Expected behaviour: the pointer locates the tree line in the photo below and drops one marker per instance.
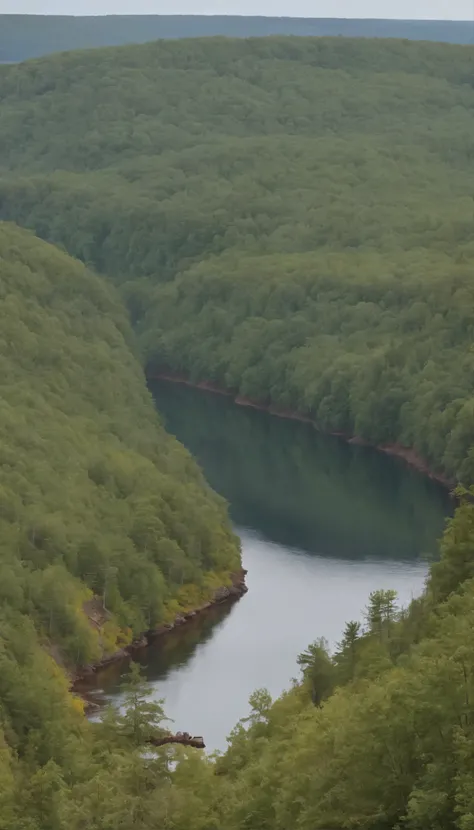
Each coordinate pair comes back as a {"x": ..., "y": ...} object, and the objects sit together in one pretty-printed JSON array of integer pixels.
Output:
[
  {"x": 289, "y": 218},
  {"x": 23, "y": 37}
]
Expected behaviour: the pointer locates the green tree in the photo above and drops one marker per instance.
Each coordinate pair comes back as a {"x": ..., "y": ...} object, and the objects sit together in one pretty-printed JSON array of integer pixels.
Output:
[
  {"x": 142, "y": 717},
  {"x": 346, "y": 654},
  {"x": 318, "y": 670},
  {"x": 381, "y": 613}
]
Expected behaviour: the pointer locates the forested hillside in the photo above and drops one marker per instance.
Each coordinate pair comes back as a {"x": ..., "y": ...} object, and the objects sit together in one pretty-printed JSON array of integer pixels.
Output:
[
  {"x": 291, "y": 219},
  {"x": 29, "y": 36},
  {"x": 288, "y": 218},
  {"x": 380, "y": 734},
  {"x": 95, "y": 501},
  {"x": 96, "y": 498}
]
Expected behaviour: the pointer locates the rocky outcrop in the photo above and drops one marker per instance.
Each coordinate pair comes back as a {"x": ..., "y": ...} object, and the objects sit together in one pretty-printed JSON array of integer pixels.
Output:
[
  {"x": 236, "y": 590},
  {"x": 230, "y": 593}
]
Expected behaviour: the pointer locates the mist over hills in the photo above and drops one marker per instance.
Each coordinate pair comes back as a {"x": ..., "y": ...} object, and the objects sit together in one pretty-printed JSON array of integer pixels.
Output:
[{"x": 29, "y": 36}]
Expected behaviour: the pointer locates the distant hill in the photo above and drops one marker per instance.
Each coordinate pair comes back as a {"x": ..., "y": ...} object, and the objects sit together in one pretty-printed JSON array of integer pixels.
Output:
[
  {"x": 289, "y": 218},
  {"x": 30, "y": 36}
]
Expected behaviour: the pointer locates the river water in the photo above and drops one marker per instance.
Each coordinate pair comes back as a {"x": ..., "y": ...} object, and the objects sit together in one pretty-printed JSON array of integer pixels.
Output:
[{"x": 322, "y": 524}]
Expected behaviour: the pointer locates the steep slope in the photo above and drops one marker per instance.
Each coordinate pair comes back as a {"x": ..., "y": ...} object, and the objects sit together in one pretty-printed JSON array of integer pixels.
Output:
[
  {"x": 380, "y": 734},
  {"x": 256, "y": 278},
  {"x": 96, "y": 498},
  {"x": 289, "y": 218}
]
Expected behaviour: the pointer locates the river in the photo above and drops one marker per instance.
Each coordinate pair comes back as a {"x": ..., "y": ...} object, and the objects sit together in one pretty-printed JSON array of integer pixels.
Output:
[{"x": 322, "y": 524}]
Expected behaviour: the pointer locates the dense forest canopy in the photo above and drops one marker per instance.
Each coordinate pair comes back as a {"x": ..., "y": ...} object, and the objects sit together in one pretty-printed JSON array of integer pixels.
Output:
[
  {"x": 290, "y": 218},
  {"x": 96, "y": 499},
  {"x": 29, "y": 36},
  {"x": 106, "y": 528}
]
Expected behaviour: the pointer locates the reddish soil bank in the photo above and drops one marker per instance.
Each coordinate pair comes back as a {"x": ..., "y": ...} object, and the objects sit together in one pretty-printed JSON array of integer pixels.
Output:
[
  {"x": 202, "y": 384},
  {"x": 410, "y": 456},
  {"x": 224, "y": 594},
  {"x": 414, "y": 460}
]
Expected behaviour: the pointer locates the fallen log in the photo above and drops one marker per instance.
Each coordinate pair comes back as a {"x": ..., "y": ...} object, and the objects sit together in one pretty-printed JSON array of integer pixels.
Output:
[{"x": 182, "y": 738}]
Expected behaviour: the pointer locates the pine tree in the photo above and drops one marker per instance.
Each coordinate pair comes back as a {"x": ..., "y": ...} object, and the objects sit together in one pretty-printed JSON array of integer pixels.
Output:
[
  {"x": 142, "y": 716},
  {"x": 318, "y": 670},
  {"x": 381, "y": 613},
  {"x": 346, "y": 655}
]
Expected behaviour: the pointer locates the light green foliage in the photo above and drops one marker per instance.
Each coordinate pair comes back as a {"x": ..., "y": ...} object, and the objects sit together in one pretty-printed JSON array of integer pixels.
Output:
[
  {"x": 94, "y": 500},
  {"x": 392, "y": 747},
  {"x": 456, "y": 563},
  {"x": 142, "y": 717},
  {"x": 91, "y": 487},
  {"x": 381, "y": 613},
  {"x": 260, "y": 702},
  {"x": 288, "y": 218}
]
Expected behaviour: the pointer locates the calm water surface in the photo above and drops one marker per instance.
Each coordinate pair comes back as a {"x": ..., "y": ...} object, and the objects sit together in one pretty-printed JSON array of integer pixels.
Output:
[{"x": 322, "y": 524}]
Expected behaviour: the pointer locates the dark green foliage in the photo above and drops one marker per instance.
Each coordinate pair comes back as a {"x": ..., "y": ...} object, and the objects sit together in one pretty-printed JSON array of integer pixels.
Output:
[
  {"x": 318, "y": 671},
  {"x": 141, "y": 718},
  {"x": 391, "y": 747},
  {"x": 288, "y": 218},
  {"x": 346, "y": 657},
  {"x": 456, "y": 564}
]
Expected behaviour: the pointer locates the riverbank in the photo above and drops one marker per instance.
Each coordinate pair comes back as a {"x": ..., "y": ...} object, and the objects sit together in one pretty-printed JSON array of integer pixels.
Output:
[
  {"x": 406, "y": 454},
  {"x": 224, "y": 594}
]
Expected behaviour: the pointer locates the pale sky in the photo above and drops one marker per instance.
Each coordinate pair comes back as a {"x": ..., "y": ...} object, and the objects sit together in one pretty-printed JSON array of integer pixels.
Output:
[{"x": 414, "y": 9}]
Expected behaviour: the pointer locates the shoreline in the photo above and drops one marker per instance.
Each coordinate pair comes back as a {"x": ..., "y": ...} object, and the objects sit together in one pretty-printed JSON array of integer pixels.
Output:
[
  {"x": 223, "y": 595},
  {"x": 406, "y": 454}
]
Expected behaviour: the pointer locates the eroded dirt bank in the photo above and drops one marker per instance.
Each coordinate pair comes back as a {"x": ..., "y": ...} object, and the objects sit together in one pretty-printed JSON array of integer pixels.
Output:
[{"x": 224, "y": 594}]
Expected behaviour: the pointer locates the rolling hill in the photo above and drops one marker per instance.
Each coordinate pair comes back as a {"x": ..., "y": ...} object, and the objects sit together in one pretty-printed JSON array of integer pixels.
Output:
[
  {"x": 289, "y": 218},
  {"x": 30, "y": 36}
]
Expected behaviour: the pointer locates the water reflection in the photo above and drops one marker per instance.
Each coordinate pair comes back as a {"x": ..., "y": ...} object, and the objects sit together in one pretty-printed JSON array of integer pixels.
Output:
[
  {"x": 303, "y": 489},
  {"x": 322, "y": 524}
]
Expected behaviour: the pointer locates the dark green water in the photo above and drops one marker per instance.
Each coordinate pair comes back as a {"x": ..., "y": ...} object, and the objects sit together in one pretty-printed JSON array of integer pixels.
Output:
[
  {"x": 322, "y": 524},
  {"x": 303, "y": 489}
]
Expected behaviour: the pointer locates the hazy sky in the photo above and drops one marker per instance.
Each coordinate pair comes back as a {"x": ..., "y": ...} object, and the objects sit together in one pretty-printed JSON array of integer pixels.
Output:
[{"x": 427, "y": 9}]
